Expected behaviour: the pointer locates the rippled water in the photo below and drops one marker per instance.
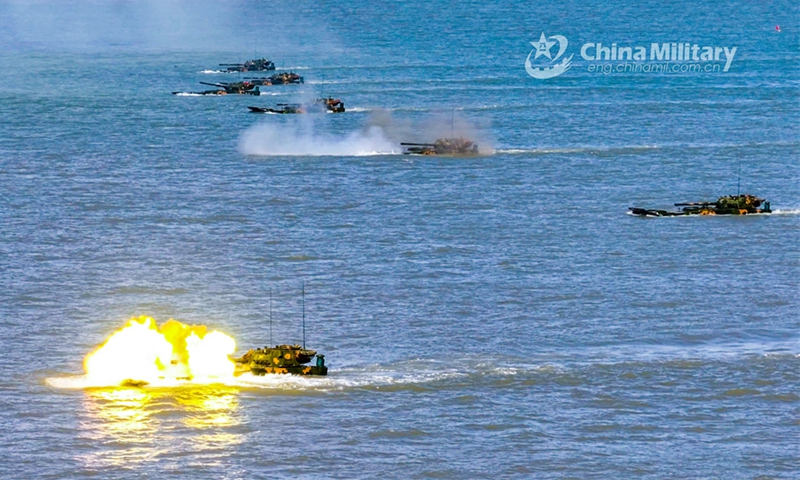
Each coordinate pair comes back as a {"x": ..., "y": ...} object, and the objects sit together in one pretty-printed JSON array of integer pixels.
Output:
[{"x": 500, "y": 315}]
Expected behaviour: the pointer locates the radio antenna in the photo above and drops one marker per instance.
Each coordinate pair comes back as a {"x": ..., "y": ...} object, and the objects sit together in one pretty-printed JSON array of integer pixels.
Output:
[
  {"x": 304, "y": 313},
  {"x": 270, "y": 316},
  {"x": 739, "y": 178}
]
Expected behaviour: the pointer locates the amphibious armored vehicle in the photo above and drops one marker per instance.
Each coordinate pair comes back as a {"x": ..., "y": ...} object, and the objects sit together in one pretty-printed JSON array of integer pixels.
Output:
[
  {"x": 225, "y": 88},
  {"x": 256, "y": 65},
  {"x": 284, "y": 108},
  {"x": 332, "y": 105},
  {"x": 281, "y": 359},
  {"x": 282, "y": 78},
  {"x": 727, "y": 205},
  {"x": 249, "y": 86},
  {"x": 320, "y": 105},
  {"x": 442, "y": 146}
]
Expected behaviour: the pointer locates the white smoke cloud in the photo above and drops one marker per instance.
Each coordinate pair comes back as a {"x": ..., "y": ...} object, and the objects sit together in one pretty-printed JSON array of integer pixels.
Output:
[{"x": 302, "y": 139}]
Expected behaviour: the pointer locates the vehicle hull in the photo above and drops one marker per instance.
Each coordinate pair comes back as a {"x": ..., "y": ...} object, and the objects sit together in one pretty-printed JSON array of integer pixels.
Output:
[{"x": 286, "y": 370}]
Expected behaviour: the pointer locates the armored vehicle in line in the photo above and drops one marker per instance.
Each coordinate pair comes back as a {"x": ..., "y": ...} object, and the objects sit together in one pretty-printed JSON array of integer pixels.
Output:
[
  {"x": 281, "y": 78},
  {"x": 284, "y": 108},
  {"x": 320, "y": 105},
  {"x": 255, "y": 65},
  {"x": 332, "y": 105},
  {"x": 442, "y": 146},
  {"x": 280, "y": 359},
  {"x": 226, "y": 88},
  {"x": 249, "y": 86},
  {"x": 727, "y": 205}
]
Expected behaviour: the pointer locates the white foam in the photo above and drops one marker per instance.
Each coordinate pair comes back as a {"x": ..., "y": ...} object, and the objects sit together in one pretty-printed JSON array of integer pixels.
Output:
[
  {"x": 412, "y": 372},
  {"x": 513, "y": 150},
  {"x": 789, "y": 211},
  {"x": 337, "y": 380}
]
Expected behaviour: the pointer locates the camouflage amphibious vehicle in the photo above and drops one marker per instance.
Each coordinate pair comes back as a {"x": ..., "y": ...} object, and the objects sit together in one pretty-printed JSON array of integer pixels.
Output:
[
  {"x": 227, "y": 88},
  {"x": 256, "y": 65},
  {"x": 281, "y": 359},
  {"x": 249, "y": 86},
  {"x": 442, "y": 146},
  {"x": 728, "y": 205},
  {"x": 320, "y": 105},
  {"x": 282, "y": 78}
]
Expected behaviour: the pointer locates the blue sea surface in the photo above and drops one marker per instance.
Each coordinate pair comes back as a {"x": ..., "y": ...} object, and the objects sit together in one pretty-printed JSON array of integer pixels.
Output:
[{"x": 500, "y": 315}]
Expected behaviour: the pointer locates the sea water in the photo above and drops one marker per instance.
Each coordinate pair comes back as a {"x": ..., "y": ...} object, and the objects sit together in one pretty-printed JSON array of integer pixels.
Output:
[{"x": 492, "y": 316}]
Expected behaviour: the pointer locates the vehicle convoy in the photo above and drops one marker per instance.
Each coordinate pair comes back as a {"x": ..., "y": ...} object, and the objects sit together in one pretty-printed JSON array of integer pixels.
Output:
[
  {"x": 442, "y": 146},
  {"x": 256, "y": 65},
  {"x": 320, "y": 105},
  {"x": 727, "y": 205},
  {"x": 280, "y": 359}
]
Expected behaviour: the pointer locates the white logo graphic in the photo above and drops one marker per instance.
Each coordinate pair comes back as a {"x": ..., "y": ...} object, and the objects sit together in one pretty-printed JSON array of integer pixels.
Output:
[{"x": 542, "y": 49}]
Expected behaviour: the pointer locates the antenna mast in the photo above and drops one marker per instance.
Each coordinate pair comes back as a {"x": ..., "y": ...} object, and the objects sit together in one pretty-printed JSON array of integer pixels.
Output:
[
  {"x": 270, "y": 316},
  {"x": 304, "y": 314},
  {"x": 739, "y": 178}
]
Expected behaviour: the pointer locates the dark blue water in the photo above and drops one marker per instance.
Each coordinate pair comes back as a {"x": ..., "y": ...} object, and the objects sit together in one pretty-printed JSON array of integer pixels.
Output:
[{"x": 498, "y": 315}]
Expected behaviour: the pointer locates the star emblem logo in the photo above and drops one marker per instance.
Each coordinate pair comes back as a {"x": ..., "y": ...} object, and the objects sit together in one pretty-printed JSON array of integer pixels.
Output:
[{"x": 543, "y": 47}]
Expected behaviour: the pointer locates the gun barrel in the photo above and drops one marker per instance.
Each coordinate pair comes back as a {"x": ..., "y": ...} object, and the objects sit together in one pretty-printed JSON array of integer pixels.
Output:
[
  {"x": 419, "y": 144},
  {"x": 231, "y": 64},
  {"x": 220, "y": 85},
  {"x": 694, "y": 204}
]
